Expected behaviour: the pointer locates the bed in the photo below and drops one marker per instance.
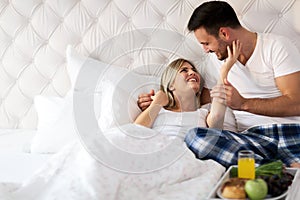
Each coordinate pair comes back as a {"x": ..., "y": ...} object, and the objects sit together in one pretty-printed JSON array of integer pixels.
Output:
[{"x": 44, "y": 44}]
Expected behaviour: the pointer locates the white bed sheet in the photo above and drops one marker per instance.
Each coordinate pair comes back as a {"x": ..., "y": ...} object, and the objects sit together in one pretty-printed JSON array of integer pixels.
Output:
[
  {"x": 17, "y": 163},
  {"x": 73, "y": 173}
]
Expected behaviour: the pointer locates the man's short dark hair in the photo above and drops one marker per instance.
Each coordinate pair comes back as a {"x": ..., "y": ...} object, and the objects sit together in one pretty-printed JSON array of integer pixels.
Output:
[{"x": 212, "y": 15}]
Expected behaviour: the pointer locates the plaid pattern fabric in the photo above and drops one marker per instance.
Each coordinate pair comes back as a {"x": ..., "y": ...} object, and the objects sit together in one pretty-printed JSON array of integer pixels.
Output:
[{"x": 269, "y": 142}]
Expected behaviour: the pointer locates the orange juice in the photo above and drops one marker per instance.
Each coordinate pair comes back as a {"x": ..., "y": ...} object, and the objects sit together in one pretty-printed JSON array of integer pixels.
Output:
[{"x": 246, "y": 168}]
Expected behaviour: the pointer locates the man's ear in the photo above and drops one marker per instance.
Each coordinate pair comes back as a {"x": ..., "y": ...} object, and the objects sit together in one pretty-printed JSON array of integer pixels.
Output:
[{"x": 224, "y": 33}]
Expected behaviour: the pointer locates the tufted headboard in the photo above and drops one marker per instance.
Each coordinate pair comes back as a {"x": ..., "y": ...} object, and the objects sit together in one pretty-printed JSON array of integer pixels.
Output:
[{"x": 34, "y": 35}]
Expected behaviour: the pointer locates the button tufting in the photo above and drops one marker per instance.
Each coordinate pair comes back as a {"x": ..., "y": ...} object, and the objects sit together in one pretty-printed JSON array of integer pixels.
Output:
[{"x": 46, "y": 21}]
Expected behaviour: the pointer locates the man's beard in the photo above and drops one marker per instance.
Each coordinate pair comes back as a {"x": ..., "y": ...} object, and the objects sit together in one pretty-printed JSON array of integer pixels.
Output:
[{"x": 222, "y": 50}]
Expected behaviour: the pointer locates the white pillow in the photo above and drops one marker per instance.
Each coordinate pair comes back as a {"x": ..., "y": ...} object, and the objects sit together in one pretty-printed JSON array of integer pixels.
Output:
[
  {"x": 119, "y": 97},
  {"x": 56, "y": 127},
  {"x": 117, "y": 90},
  {"x": 48, "y": 109},
  {"x": 115, "y": 103}
]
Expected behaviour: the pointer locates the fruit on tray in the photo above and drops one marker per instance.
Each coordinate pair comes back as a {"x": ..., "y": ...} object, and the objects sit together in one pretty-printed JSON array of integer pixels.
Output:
[
  {"x": 278, "y": 185},
  {"x": 256, "y": 189}
]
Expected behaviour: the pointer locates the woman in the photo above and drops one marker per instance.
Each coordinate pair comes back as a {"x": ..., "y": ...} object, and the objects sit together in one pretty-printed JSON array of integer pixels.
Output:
[
  {"x": 176, "y": 106},
  {"x": 179, "y": 93},
  {"x": 180, "y": 90}
]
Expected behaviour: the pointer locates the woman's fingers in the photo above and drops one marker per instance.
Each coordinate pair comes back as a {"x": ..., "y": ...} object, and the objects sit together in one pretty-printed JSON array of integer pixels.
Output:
[
  {"x": 234, "y": 47},
  {"x": 229, "y": 51}
]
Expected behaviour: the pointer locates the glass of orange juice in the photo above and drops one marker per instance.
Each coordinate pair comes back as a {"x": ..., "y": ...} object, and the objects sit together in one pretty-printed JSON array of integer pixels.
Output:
[{"x": 246, "y": 164}]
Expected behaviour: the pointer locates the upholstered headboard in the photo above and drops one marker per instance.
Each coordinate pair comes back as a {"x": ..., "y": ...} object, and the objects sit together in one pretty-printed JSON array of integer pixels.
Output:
[{"x": 34, "y": 35}]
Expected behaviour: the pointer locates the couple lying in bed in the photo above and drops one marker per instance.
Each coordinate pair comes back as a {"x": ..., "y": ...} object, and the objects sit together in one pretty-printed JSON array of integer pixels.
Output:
[
  {"x": 75, "y": 174},
  {"x": 180, "y": 91}
]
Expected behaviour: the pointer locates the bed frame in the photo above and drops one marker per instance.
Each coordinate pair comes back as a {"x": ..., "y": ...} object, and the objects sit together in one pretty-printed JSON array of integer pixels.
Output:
[{"x": 34, "y": 35}]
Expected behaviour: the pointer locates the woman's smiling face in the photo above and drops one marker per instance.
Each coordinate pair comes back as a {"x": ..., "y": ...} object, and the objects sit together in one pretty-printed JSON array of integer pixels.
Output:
[{"x": 187, "y": 78}]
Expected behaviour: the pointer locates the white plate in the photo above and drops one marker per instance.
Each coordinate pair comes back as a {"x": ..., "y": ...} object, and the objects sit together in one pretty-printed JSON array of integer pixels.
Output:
[{"x": 219, "y": 193}]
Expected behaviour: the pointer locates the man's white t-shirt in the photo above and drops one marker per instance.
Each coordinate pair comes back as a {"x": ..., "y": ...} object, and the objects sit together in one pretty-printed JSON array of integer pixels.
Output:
[{"x": 273, "y": 56}]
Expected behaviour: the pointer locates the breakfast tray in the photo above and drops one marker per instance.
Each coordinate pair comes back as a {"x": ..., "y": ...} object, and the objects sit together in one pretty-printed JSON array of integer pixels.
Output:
[{"x": 214, "y": 193}]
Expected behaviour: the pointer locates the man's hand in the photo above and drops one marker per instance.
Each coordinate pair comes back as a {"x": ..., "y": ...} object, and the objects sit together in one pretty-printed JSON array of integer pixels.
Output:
[
  {"x": 233, "y": 98},
  {"x": 218, "y": 93},
  {"x": 144, "y": 100},
  {"x": 227, "y": 95}
]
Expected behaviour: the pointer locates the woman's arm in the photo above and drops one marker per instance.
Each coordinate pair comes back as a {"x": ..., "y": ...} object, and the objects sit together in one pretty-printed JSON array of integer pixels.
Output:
[
  {"x": 215, "y": 118},
  {"x": 148, "y": 116}
]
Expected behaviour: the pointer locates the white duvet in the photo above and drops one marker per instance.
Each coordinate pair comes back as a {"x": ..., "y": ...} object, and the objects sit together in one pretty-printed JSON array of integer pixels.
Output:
[{"x": 76, "y": 174}]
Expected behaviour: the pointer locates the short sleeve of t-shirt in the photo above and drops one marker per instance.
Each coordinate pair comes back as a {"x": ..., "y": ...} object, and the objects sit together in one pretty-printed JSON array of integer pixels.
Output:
[{"x": 283, "y": 54}]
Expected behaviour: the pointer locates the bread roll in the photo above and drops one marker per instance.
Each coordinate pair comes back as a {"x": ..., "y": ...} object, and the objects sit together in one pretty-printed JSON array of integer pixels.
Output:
[{"x": 234, "y": 188}]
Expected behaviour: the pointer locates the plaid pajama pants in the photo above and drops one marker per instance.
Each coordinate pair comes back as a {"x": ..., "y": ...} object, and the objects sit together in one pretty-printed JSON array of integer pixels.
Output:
[{"x": 269, "y": 142}]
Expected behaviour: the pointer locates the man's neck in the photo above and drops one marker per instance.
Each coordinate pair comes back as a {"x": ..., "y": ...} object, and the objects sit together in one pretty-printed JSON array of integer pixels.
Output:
[{"x": 248, "y": 40}]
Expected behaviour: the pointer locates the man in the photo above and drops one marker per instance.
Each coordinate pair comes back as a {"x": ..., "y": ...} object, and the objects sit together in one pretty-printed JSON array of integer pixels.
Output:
[
  {"x": 264, "y": 81},
  {"x": 266, "y": 78}
]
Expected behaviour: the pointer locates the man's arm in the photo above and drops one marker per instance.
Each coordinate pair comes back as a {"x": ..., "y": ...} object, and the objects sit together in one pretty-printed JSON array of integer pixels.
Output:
[
  {"x": 286, "y": 105},
  {"x": 145, "y": 99}
]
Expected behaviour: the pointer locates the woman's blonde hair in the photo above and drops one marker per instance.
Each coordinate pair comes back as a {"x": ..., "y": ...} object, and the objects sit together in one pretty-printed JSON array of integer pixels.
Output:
[{"x": 168, "y": 78}]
